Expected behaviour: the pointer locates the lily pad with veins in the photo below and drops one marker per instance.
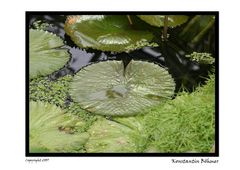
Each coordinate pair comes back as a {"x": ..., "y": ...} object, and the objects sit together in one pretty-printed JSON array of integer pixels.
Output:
[
  {"x": 53, "y": 131},
  {"x": 106, "y": 88},
  {"x": 46, "y": 54},
  {"x": 107, "y": 33},
  {"x": 158, "y": 20}
]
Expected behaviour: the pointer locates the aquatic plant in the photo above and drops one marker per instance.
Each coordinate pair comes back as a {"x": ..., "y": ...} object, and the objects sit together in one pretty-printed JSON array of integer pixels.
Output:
[
  {"x": 202, "y": 58},
  {"x": 53, "y": 131},
  {"x": 40, "y": 25},
  {"x": 42, "y": 89},
  {"x": 113, "y": 106},
  {"x": 158, "y": 20},
  {"x": 46, "y": 90},
  {"x": 185, "y": 124},
  {"x": 45, "y": 53},
  {"x": 197, "y": 28},
  {"x": 107, "y": 33},
  {"x": 107, "y": 88},
  {"x": 108, "y": 136}
]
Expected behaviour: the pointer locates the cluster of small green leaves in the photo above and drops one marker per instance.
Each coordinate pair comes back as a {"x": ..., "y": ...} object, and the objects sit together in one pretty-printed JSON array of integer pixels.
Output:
[
  {"x": 140, "y": 44},
  {"x": 202, "y": 58},
  {"x": 57, "y": 93},
  {"x": 89, "y": 118},
  {"x": 185, "y": 124},
  {"x": 40, "y": 25},
  {"x": 54, "y": 92}
]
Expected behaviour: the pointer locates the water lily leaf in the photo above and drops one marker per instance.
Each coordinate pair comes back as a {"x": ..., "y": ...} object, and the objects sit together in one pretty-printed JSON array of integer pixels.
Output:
[
  {"x": 104, "y": 88},
  {"x": 53, "y": 131},
  {"x": 106, "y": 33},
  {"x": 158, "y": 20},
  {"x": 46, "y": 56},
  {"x": 109, "y": 136}
]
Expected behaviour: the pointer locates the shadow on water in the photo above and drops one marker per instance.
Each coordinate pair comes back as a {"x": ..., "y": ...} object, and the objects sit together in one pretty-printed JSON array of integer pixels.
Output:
[{"x": 171, "y": 55}]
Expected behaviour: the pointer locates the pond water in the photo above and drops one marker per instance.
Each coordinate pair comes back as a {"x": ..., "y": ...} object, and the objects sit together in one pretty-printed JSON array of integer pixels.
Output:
[{"x": 185, "y": 72}]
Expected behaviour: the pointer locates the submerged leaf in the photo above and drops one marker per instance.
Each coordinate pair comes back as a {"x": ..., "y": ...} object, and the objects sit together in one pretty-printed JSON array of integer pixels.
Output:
[
  {"x": 110, "y": 136},
  {"x": 53, "y": 131},
  {"x": 104, "y": 88},
  {"x": 158, "y": 20},
  {"x": 45, "y": 55},
  {"x": 106, "y": 33}
]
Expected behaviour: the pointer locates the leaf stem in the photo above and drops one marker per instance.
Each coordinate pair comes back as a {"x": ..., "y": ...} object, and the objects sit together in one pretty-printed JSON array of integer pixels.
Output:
[
  {"x": 165, "y": 28},
  {"x": 129, "y": 19}
]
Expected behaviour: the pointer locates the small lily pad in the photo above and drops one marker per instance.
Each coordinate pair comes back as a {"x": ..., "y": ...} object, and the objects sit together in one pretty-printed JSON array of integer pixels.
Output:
[
  {"x": 158, "y": 20},
  {"x": 53, "y": 131},
  {"x": 107, "y": 33},
  {"x": 45, "y": 56},
  {"x": 104, "y": 88}
]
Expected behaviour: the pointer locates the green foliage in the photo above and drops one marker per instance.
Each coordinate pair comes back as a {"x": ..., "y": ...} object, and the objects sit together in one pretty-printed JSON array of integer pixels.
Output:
[
  {"x": 197, "y": 28},
  {"x": 57, "y": 93},
  {"x": 54, "y": 92},
  {"x": 110, "y": 136},
  {"x": 107, "y": 33},
  {"x": 185, "y": 124},
  {"x": 158, "y": 20},
  {"x": 40, "y": 25},
  {"x": 106, "y": 88},
  {"x": 53, "y": 131},
  {"x": 202, "y": 58},
  {"x": 45, "y": 53},
  {"x": 57, "y": 124}
]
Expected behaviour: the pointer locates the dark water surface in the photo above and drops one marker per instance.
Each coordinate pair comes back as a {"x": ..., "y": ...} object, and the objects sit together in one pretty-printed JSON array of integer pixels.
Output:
[{"x": 170, "y": 54}]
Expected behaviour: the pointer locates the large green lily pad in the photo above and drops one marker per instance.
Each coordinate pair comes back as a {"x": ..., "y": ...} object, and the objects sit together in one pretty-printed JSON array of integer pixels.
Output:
[
  {"x": 113, "y": 137},
  {"x": 105, "y": 89},
  {"x": 158, "y": 20},
  {"x": 53, "y": 131},
  {"x": 45, "y": 56},
  {"x": 107, "y": 33}
]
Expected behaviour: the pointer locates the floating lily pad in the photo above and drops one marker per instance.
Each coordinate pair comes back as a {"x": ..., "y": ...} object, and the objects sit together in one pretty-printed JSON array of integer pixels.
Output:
[
  {"x": 105, "y": 89},
  {"x": 109, "y": 136},
  {"x": 46, "y": 56},
  {"x": 158, "y": 20},
  {"x": 107, "y": 33},
  {"x": 53, "y": 131}
]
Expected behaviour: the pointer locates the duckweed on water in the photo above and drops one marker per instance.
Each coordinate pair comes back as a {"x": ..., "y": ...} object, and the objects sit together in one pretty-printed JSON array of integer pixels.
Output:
[
  {"x": 56, "y": 92},
  {"x": 202, "y": 58}
]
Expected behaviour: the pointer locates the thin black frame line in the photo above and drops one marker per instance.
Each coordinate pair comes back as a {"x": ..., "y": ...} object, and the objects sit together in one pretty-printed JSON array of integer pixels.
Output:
[
  {"x": 217, "y": 84},
  {"x": 216, "y": 154},
  {"x": 122, "y": 12},
  {"x": 27, "y": 85}
]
